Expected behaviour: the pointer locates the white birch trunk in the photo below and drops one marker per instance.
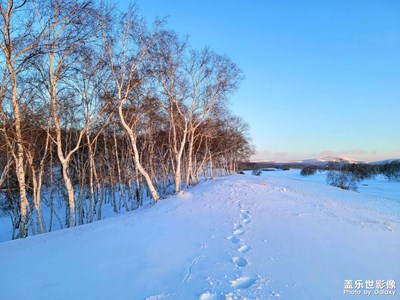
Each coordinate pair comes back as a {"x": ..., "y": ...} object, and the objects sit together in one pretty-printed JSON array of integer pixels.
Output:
[{"x": 139, "y": 166}]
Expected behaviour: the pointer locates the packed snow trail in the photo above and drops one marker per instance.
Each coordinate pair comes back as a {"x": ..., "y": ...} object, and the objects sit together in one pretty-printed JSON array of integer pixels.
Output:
[{"x": 239, "y": 237}]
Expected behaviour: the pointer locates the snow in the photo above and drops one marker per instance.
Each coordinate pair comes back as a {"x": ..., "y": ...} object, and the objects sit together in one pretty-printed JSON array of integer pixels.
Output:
[
  {"x": 277, "y": 236},
  {"x": 377, "y": 186}
]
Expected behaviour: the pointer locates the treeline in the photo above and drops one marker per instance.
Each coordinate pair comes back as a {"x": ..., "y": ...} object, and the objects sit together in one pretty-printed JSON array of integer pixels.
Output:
[
  {"x": 348, "y": 175},
  {"x": 98, "y": 106}
]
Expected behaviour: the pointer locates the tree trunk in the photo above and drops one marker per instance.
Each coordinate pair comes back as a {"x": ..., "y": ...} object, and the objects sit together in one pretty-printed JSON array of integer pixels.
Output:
[
  {"x": 142, "y": 171},
  {"x": 189, "y": 172},
  {"x": 70, "y": 193},
  {"x": 19, "y": 159},
  {"x": 139, "y": 166}
]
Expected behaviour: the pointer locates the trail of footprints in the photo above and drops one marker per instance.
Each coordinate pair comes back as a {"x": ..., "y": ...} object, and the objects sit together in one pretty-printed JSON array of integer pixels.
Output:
[{"x": 239, "y": 260}]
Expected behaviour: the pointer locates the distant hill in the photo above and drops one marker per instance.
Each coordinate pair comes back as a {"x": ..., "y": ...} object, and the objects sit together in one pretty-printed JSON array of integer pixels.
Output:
[
  {"x": 301, "y": 163},
  {"x": 319, "y": 162},
  {"x": 325, "y": 160}
]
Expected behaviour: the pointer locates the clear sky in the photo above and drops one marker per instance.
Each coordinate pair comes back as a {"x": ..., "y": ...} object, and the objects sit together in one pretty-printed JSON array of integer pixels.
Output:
[{"x": 322, "y": 78}]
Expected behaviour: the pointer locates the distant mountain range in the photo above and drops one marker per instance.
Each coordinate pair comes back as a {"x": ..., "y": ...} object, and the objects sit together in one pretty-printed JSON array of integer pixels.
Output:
[
  {"x": 326, "y": 160},
  {"x": 321, "y": 161}
]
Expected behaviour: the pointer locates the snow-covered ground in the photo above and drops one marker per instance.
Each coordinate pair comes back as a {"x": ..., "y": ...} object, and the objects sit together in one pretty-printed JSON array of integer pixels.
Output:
[
  {"x": 377, "y": 186},
  {"x": 278, "y": 236}
]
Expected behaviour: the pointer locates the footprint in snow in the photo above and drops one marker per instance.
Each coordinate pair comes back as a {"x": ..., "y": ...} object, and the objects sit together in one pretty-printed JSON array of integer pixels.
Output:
[
  {"x": 233, "y": 239},
  {"x": 244, "y": 249},
  {"x": 239, "y": 261},
  {"x": 246, "y": 221},
  {"x": 244, "y": 216},
  {"x": 238, "y": 232},
  {"x": 208, "y": 296},
  {"x": 238, "y": 226},
  {"x": 243, "y": 282}
]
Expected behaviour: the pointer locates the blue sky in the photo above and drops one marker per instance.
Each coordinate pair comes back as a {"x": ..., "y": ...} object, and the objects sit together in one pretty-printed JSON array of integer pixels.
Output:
[{"x": 322, "y": 78}]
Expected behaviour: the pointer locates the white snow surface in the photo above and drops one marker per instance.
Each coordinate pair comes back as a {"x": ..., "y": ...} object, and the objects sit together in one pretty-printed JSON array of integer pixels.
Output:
[{"x": 238, "y": 237}]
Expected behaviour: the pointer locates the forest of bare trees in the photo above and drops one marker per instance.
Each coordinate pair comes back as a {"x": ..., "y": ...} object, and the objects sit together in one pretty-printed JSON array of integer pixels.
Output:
[{"x": 100, "y": 107}]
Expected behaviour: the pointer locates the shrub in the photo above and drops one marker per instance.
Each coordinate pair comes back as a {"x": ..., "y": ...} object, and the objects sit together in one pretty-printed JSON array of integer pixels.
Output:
[
  {"x": 256, "y": 172},
  {"x": 360, "y": 171},
  {"x": 347, "y": 176},
  {"x": 391, "y": 170},
  {"x": 309, "y": 170},
  {"x": 342, "y": 179}
]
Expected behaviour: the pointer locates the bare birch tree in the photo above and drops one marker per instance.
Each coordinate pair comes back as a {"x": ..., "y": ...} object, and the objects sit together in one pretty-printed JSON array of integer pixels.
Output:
[
  {"x": 168, "y": 58},
  {"x": 18, "y": 45},
  {"x": 127, "y": 47},
  {"x": 72, "y": 24},
  {"x": 212, "y": 78}
]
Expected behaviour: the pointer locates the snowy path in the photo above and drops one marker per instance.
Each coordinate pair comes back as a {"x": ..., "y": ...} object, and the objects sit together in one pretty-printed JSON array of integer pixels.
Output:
[{"x": 240, "y": 237}]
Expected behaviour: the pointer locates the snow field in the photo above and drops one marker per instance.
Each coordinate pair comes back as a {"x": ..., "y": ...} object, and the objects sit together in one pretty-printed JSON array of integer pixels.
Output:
[{"x": 239, "y": 237}]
